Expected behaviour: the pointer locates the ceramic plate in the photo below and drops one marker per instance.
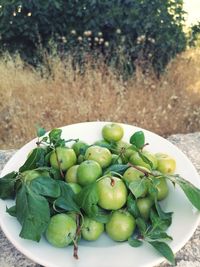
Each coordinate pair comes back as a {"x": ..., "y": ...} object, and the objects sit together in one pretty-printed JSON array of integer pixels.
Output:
[{"x": 104, "y": 252}]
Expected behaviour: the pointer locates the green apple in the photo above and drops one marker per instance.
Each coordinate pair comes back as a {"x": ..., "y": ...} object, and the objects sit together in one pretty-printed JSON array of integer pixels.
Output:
[
  {"x": 91, "y": 229},
  {"x": 88, "y": 171},
  {"x": 71, "y": 174},
  {"x": 61, "y": 230},
  {"x": 166, "y": 164},
  {"x": 136, "y": 159},
  {"x": 132, "y": 174},
  {"x": 112, "y": 132},
  {"x": 162, "y": 188},
  {"x": 100, "y": 154},
  {"x": 112, "y": 193},
  {"x": 121, "y": 225},
  {"x": 63, "y": 158},
  {"x": 144, "y": 205}
]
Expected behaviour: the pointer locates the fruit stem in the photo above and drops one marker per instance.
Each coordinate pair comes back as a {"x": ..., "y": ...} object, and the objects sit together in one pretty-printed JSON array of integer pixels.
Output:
[
  {"x": 144, "y": 145},
  {"x": 72, "y": 140},
  {"x": 112, "y": 181},
  {"x": 146, "y": 173},
  {"x": 61, "y": 172},
  {"x": 78, "y": 232},
  {"x": 75, "y": 251}
]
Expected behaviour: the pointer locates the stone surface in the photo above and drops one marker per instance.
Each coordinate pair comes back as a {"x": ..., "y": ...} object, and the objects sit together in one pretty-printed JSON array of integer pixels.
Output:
[{"x": 188, "y": 256}]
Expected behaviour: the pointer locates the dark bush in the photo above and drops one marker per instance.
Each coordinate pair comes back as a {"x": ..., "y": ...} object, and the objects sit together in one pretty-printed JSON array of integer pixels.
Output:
[
  {"x": 124, "y": 31},
  {"x": 194, "y": 34}
]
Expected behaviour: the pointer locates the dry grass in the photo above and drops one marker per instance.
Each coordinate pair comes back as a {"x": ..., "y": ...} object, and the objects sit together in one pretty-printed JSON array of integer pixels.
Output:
[{"x": 166, "y": 106}]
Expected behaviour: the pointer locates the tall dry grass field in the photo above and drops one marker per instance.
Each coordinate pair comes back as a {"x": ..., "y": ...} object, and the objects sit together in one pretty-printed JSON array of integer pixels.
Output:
[{"x": 165, "y": 106}]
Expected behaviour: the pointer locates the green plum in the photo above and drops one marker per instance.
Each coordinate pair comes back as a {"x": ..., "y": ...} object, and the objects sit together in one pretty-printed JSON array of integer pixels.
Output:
[
  {"x": 136, "y": 159},
  {"x": 121, "y": 225},
  {"x": 88, "y": 171},
  {"x": 144, "y": 205},
  {"x": 166, "y": 164},
  {"x": 71, "y": 174},
  {"x": 61, "y": 230},
  {"x": 100, "y": 154},
  {"x": 91, "y": 229},
  {"x": 112, "y": 193},
  {"x": 112, "y": 132},
  {"x": 63, "y": 158}
]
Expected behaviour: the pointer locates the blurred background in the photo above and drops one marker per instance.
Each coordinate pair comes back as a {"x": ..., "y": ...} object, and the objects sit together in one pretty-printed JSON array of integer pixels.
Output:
[{"x": 130, "y": 61}]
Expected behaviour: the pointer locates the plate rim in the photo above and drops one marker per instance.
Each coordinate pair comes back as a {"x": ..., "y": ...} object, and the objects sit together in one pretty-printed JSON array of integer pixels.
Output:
[{"x": 157, "y": 261}]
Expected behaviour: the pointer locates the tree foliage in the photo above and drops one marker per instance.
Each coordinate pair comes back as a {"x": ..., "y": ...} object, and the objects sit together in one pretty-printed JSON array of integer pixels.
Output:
[{"x": 125, "y": 31}]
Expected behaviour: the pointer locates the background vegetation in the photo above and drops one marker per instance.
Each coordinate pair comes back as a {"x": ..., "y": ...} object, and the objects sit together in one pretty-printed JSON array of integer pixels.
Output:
[
  {"x": 63, "y": 62},
  {"x": 124, "y": 31}
]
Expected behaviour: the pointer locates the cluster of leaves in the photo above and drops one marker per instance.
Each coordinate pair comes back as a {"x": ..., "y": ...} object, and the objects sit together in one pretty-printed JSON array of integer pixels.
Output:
[
  {"x": 153, "y": 231},
  {"x": 39, "y": 199},
  {"x": 194, "y": 35},
  {"x": 144, "y": 31}
]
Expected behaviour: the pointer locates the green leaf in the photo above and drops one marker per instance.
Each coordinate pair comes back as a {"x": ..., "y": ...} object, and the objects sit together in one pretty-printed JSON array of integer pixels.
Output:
[
  {"x": 138, "y": 187},
  {"x": 119, "y": 168},
  {"x": 32, "y": 212},
  {"x": 159, "y": 236},
  {"x": 36, "y": 159},
  {"x": 7, "y": 185},
  {"x": 40, "y": 131},
  {"x": 87, "y": 199},
  {"x": 163, "y": 215},
  {"x": 102, "y": 216},
  {"x": 132, "y": 206},
  {"x": 55, "y": 137},
  {"x": 164, "y": 250},
  {"x": 159, "y": 224},
  {"x": 55, "y": 174},
  {"x": 12, "y": 211},
  {"x": 134, "y": 242},
  {"x": 142, "y": 226},
  {"x": 192, "y": 192},
  {"x": 138, "y": 139},
  {"x": 66, "y": 201},
  {"x": 45, "y": 186}
]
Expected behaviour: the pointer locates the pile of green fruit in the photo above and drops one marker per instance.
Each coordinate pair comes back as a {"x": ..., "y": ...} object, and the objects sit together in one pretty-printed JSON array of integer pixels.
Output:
[{"x": 80, "y": 191}]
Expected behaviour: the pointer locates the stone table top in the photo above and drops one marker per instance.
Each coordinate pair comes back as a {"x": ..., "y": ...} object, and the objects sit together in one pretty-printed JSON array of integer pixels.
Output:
[{"x": 188, "y": 256}]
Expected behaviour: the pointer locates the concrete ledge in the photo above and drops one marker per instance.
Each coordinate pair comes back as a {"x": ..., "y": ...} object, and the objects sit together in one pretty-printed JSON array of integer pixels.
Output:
[{"x": 188, "y": 256}]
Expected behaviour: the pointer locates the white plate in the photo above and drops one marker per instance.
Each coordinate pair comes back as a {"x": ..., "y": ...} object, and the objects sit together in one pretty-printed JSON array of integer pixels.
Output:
[{"x": 104, "y": 252}]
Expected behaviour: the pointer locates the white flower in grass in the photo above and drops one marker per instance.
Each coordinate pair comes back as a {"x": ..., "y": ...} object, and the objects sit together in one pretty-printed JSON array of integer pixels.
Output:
[
  {"x": 80, "y": 39},
  {"x": 101, "y": 40},
  {"x": 87, "y": 33},
  {"x": 73, "y": 32},
  {"x": 19, "y": 9},
  {"x": 106, "y": 44}
]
